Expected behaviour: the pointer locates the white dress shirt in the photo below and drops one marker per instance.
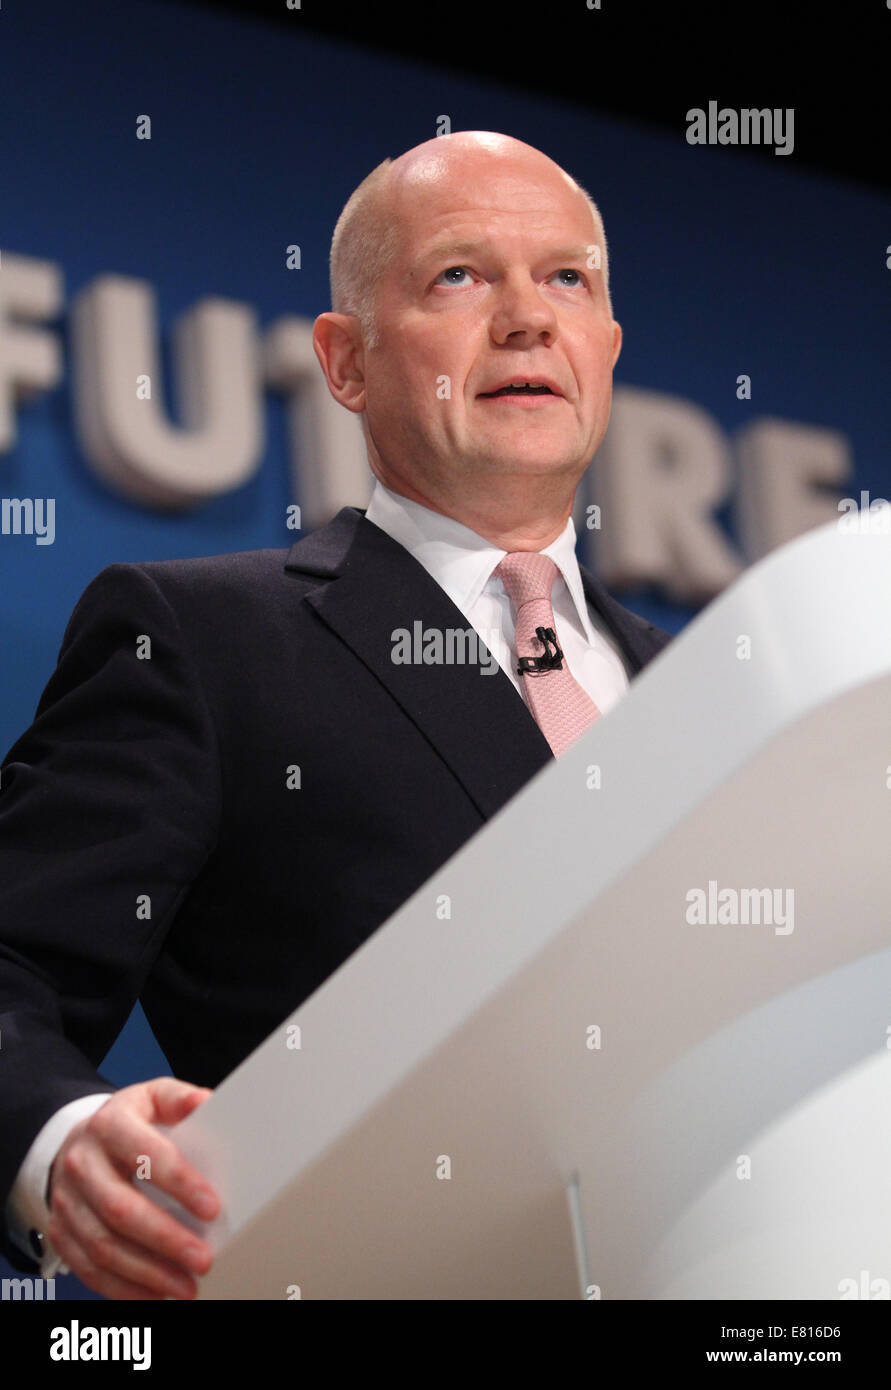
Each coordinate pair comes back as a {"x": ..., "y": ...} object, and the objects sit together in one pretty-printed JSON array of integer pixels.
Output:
[{"x": 461, "y": 562}]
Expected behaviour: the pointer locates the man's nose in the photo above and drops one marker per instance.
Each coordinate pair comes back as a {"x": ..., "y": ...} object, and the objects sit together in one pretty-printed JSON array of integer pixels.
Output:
[{"x": 521, "y": 309}]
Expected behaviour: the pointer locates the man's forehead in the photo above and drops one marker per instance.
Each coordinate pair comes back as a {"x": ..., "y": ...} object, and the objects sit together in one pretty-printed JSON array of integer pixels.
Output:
[
  {"x": 465, "y": 229},
  {"x": 503, "y": 206}
]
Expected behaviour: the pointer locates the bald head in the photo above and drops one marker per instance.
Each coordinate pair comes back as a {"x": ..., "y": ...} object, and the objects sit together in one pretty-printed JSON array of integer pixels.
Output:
[{"x": 371, "y": 229}]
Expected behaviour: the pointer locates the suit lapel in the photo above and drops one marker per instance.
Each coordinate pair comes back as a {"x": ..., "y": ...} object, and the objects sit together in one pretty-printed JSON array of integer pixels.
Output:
[{"x": 479, "y": 724}]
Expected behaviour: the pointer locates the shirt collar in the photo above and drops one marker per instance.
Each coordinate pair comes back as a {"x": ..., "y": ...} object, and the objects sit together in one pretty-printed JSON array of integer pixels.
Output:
[{"x": 458, "y": 559}]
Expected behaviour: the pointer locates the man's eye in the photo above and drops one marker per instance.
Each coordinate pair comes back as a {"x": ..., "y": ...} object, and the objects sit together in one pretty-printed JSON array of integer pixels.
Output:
[
  {"x": 462, "y": 270},
  {"x": 568, "y": 270}
]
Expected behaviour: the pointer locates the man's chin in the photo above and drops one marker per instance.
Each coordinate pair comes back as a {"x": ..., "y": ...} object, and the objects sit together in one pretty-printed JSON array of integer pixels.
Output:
[{"x": 525, "y": 458}]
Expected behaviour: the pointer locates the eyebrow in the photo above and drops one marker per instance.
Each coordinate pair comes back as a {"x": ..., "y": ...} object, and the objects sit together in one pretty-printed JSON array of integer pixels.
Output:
[{"x": 444, "y": 249}]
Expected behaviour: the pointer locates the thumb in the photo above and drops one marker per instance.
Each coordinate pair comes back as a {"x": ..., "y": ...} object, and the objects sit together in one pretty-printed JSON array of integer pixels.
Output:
[{"x": 173, "y": 1100}]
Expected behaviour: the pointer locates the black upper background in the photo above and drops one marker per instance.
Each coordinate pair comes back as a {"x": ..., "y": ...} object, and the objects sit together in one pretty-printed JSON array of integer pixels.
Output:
[{"x": 649, "y": 62}]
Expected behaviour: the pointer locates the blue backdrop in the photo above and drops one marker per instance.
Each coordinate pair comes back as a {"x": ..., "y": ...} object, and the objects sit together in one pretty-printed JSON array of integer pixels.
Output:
[{"x": 719, "y": 264}]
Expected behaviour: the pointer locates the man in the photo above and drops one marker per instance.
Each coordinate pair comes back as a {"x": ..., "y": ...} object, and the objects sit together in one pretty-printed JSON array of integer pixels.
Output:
[{"x": 215, "y": 828}]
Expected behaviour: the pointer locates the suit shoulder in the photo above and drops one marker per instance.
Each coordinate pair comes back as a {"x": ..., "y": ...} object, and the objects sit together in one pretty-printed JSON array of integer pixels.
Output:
[
  {"x": 237, "y": 567},
  {"x": 242, "y": 575},
  {"x": 191, "y": 595}
]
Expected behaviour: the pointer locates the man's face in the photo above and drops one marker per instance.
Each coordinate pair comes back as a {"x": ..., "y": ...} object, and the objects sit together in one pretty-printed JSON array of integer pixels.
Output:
[{"x": 491, "y": 285}]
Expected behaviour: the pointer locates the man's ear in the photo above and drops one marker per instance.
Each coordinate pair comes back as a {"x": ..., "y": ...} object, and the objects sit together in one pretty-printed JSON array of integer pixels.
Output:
[
  {"x": 337, "y": 340},
  {"x": 617, "y": 342}
]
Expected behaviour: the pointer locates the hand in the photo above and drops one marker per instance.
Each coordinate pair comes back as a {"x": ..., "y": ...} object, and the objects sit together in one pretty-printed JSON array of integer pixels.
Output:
[{"x": 112, "y": 1236}]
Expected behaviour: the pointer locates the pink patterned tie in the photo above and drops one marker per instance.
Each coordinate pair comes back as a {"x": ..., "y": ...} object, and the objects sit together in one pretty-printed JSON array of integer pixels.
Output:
[{"x": 559, "y": 705}]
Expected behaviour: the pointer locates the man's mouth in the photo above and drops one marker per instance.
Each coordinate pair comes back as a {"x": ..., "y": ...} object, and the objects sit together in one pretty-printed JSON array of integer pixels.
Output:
[
  {"x": 519, "y": 391},
  {"x": 519, "y": 388}
]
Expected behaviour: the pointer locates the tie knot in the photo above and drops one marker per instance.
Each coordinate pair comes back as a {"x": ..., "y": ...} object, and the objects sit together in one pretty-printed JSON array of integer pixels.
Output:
[{"x": 527, "y": 575}]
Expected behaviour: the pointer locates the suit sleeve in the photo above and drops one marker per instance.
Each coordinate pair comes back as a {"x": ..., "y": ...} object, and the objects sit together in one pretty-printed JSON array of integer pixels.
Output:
[{"x": 109, "y": 808}]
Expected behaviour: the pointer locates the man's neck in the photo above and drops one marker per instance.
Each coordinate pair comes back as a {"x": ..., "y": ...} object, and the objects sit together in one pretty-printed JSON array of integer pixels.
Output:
[{"x": 510, "y": 523}]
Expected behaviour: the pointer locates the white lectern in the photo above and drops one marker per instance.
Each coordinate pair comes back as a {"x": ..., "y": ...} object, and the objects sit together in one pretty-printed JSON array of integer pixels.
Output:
[{"x": 632, "y": 1041}]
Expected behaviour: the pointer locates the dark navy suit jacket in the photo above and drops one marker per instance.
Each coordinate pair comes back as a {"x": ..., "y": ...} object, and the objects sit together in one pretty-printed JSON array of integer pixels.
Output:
[{"x": 150, "y": 844}]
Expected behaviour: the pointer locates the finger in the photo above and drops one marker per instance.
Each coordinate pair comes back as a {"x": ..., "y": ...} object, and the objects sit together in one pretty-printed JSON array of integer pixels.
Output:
[
  {"x": 130, "y": 1141},
  {"x": 106, "y": 1253},
  {"x": 173, "y": 1100},
  {"x": 100, "y": 1280},
  {"x": 91, "y": 1177}
]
